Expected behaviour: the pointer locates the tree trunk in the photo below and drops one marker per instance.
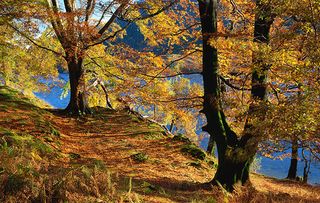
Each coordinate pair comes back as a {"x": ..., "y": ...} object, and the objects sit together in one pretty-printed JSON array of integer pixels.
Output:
[
  {"x": 210, "y": 68},
  {"x": 234, "y": 155},
  {"x": 306, "y": 169},
  {"x": 232, "y": 165},
  {"x": 77, "y": 104},
  {"x": 292, "y": 173}
]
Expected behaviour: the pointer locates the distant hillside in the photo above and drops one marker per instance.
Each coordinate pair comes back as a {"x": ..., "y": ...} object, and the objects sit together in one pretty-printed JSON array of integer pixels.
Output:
[
  {"x": 111, "y": 156},
  {"x": 135, "y": 39}
]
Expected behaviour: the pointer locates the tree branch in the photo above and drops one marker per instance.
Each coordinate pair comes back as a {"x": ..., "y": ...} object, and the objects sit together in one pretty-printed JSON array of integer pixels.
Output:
[
  {"x": 68, "y": 6},
  {"x": 233, "y": 86},
  {"x": 180, "y": 99},
  {"x": 113, "y": 17},
  {"x": 171, "y": 76},
  {"x": 33, "y": 42},
  {"x": 108, "y": 37},
  {"x": 56, "y": 22},
  {"x": 97, "y": 64},
  {"x": 89, "y": 9},
  {"x": 104, "y": 13},
  {"x": 152, "y": 14},
  {"x": 172, "y": 62}
]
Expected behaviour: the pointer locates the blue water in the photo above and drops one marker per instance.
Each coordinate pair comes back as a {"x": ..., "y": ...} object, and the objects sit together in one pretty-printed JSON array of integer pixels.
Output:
[
  {"x": 279, "y": 168},
  {"x": 271, "y": 167},
  {"x": 53, "y": 97}
]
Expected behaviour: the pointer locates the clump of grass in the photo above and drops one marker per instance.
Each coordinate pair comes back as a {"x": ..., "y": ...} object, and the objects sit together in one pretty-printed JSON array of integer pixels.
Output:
[
  {"x": 55, "y": 132},
  {"x": 73, "y": 155},
  {"x": 195, "y": 164},
  {"x": 134, "y": 118},
  {"x": 3, "y": 107},
  {"x": 205, "y": 200},
  {"x": 181, "y": 137},
  {"x": 150, "y": 188},
  {"x": 99, "y": 164},
  {"x": 193, "y": 151},
  {"x": 139, "y": 157},
  {"x": 153, "y": 136}
]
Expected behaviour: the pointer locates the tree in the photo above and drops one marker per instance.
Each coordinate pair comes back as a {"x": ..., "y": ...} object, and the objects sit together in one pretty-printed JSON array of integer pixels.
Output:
[
  {"x": 234, "y": 154},
  {"x": 79, "y": 25}
]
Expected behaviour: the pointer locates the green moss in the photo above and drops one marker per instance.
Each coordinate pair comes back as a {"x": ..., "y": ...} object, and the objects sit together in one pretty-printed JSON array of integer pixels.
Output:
[
  {"x": 154, "y": 126},
  {"x": 3, "y": 107},
  {"x": 150, "y": 188},
  {"x": 86, "y": 171},
  {"x": 207, "y": 200},
  {"x": 193, "y": 151},
  {"x": 41, "y": 146},
  {"x": 195, "y": 164},
  {"x": 139, "y": 157},
  {"x": 134, "y": 118},
  {"x": 74, "y": 155},
  {"x": 153, "y": 136},
  {"x": 7, "y": 93},
  {"x": 99, "y": 164},
  {"x": 6, "y": 132},
  {"x": 55, "y": 132},
  {"x": 182, "y": 138}
]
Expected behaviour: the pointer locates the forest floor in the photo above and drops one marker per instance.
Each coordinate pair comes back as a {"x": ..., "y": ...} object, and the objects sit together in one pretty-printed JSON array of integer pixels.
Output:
[{"x": 112, "y": 156}]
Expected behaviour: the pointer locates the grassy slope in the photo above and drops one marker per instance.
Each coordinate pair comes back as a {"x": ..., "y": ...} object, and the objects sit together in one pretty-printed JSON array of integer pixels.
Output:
[{"x": 112, "y": 156}]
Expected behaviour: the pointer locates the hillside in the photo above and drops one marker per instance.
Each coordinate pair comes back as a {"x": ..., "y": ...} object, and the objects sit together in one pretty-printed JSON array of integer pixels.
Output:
[{"x": 111, "y": 156}]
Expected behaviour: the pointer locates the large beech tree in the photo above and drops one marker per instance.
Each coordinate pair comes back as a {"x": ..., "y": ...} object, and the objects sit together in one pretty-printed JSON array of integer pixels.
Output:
[
  {"x": 80, "y": 25},
  {"x": 235, "y": 152}
]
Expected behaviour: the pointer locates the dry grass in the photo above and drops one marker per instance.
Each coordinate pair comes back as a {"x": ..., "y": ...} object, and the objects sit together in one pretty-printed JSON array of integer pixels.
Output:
[{"x": 48, "y": 157}]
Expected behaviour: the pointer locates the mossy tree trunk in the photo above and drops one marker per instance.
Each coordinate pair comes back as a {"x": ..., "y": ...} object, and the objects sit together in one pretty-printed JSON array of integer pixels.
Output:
[
  {"x": 234, "y": 154},
  {"x": 77, "y": 104}
]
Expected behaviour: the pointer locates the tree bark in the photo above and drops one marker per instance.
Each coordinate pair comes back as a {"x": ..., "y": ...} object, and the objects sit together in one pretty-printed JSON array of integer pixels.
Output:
[
  {"x": 210, "y": 69},
  {"x": 234, "y": 155},
  {"x": 306, "y": 169},
  {"x": 77, "y": 104},
  {"x": 292, "y": 173},
  {"x": 231, "y": 167}
]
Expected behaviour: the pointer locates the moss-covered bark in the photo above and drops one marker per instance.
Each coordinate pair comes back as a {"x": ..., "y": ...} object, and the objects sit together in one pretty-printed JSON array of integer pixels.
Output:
[
  {"x": 234, "y": 154},
  {"x": 77, "y": 104}
]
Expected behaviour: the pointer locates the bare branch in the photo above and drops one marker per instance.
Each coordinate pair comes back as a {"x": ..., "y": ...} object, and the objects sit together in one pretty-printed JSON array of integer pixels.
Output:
[
  {"x": 186, "y": 28},
  {"x": 104, "y": 13},
  {"x": 68, "y": 6},
  {"x": 113, "y": 17},
  {"x": 89, "y": 9},
  {"x": 55, "y": 21}
]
